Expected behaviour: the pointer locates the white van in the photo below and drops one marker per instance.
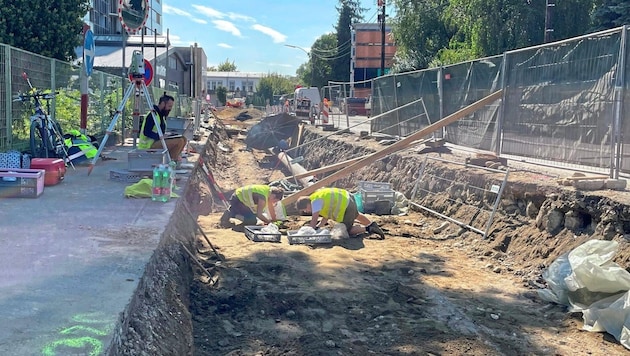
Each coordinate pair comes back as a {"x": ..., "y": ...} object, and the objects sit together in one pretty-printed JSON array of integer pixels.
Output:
[{"x": 311, "y": 93}]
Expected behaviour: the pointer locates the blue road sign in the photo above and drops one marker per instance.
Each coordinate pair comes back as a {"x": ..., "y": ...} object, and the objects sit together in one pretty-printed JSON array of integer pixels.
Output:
[{"x": 88, "y": 52}]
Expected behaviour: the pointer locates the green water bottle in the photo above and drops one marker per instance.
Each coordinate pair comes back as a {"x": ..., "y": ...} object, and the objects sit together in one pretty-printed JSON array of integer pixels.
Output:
[
  {"x": 156, "y": 186},
  {"x": 167, "y": 184}
]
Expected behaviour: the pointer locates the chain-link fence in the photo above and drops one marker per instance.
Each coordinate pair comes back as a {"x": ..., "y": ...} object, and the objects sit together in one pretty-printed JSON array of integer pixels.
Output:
[
  {"x": 563, "y": 102},
  {"x": 105, "y": 92}
]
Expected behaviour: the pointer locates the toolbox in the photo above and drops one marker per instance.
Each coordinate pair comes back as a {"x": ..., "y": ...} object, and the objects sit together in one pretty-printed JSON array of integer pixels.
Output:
[
  {"x": 55, "y": 169},
  {"x": 377, "y": 197},
  {"x": 21, "y": 183},
  {"x": 146, "y": 160}
]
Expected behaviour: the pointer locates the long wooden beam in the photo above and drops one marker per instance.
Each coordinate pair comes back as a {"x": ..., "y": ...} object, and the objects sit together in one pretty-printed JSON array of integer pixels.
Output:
[
  {"x": 339, "y": 165},
  {"x": 394, "y": 147}
]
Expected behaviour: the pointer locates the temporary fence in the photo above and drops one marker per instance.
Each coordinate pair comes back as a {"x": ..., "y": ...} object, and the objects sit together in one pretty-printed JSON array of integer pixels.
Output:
[
  {"x": 105, "y": 92},
  {"x": 562, "y": 102}
]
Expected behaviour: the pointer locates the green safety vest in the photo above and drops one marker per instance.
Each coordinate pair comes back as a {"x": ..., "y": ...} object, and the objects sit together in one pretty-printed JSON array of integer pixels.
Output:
[
  {"x": 335, "y": 202},
  {"x": 246, "y": 194},
  {"x": 144, "y": 142},
  {"x": 82, "y": 142}
]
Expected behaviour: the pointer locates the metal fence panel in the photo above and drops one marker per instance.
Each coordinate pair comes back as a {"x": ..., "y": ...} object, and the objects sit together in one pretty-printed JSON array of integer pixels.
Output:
[
  {"x": 558, "y": 102},
  {"x": 464, "y": 84}
]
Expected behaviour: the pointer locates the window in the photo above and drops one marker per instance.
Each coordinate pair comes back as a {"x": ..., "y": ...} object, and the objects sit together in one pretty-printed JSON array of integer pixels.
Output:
[
  {"x": 248, "y": 86},
  {"x": 214, "y": 84},
  {"x": 231, "y": 85},
  {"x": 172, "y": 63}
]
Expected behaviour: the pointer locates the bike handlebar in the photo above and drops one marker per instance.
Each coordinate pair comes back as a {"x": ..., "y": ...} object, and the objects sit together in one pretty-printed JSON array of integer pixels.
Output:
[{"x": 26, "y": 97}]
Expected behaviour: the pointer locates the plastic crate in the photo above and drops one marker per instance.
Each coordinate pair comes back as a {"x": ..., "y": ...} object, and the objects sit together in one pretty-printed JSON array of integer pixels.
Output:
[
  {"x": 365, "y": 185},
  {"x": 308, "y": 239},
  {"x": 146, "y": 160},
  {"x": 253, "y": 233},
  {"x": 21, "y": 183},
  {"x": 369, "y": 198},
  {"x": 125, "y": 176}
]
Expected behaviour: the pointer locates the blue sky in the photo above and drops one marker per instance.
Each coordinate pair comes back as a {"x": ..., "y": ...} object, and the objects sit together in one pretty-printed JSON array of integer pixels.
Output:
[{"x": 253, "y": 33}]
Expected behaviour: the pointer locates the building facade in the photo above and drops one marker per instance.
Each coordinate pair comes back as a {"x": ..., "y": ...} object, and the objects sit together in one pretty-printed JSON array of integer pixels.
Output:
[
  {"x": 366, "y": 55},
  {"x": 176, "y": 69},
  {"x": 238, "y": 84}
]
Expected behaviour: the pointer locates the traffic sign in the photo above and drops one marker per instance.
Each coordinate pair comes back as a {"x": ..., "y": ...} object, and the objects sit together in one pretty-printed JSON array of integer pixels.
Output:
[
  {"x": 88, "y": 52},
  {"x": 148, "y": 73},
  {"x": 133, "y": 14}
]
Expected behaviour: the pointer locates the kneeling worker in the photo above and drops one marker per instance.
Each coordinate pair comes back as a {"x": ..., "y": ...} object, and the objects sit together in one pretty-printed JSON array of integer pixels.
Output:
[
  {"x": 149, "y": 137},
  {"x": 250, "y": 201},
  {"x": 338, "y": 205}
]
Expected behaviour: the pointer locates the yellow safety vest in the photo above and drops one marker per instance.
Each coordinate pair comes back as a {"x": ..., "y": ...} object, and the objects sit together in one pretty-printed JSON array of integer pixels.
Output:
[
  {"x": 335, "y": 202},
  {"x": 246, "y": 194},
  {"x": 144, "y": 142}
]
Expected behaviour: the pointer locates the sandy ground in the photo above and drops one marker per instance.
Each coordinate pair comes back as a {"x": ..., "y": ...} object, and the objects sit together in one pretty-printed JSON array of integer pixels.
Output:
[{"x": 418, "y": 292}]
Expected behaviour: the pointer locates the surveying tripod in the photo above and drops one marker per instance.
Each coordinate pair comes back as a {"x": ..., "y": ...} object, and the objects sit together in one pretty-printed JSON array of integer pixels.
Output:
[{"x": 139, "y": 87}]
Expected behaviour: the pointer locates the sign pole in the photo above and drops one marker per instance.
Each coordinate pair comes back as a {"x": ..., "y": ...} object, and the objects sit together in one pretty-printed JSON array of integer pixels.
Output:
[{"x": 88, "y": 59}]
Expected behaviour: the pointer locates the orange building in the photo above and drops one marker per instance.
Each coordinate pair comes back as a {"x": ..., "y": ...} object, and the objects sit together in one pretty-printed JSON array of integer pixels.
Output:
[{"x": 365, "y": 61}]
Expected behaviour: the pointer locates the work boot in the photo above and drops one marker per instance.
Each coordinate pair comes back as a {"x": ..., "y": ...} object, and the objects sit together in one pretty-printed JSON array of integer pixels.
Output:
[
  {"x": 373, "y": 228},
  {"x": 225, "y": 219}
]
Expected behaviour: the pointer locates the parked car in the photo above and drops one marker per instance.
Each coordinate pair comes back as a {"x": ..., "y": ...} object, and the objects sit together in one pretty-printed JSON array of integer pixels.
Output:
[{"x": 356, "y": 106}]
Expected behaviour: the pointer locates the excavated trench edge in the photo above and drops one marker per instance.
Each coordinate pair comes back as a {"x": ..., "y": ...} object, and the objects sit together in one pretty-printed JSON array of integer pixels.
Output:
[{"x": 158, "y": 321}]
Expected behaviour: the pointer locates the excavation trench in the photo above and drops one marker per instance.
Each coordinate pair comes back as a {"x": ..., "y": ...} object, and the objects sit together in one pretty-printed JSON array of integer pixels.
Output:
[{"x": 536, "y": 221}]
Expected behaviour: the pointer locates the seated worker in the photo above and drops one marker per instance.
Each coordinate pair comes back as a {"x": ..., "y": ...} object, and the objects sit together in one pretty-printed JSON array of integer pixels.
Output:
[
  {"x": 149, "y": 137},
  {"x": 250, "y": 201},
  {"x": 338, "y": 205}
]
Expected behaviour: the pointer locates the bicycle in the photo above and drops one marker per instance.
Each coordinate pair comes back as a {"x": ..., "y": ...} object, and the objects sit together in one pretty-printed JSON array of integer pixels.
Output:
[{"x": 46, "y": 136}]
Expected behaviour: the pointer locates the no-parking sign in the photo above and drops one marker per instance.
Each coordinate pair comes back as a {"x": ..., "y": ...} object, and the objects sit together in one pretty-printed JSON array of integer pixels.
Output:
[{"x": 148, "y": 73}]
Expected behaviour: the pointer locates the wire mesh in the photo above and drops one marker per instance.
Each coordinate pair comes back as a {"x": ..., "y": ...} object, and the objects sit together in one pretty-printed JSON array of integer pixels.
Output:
[{"x": 472, "y": 198}]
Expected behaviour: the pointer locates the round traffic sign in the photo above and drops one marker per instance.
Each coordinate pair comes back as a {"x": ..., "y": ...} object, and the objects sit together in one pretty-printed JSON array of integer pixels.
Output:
[
  {"x": 88, "y": 52},
  {"x": 133, "y": 14},
  {"x": 148, "y": 73}
]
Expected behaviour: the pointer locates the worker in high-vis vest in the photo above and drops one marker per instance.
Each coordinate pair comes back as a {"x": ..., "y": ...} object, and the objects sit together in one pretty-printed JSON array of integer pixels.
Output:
[
  {"x": 149, "y": 137},
  {"x": 251, "y": 201},
  {"x": 338, "y": 205}
]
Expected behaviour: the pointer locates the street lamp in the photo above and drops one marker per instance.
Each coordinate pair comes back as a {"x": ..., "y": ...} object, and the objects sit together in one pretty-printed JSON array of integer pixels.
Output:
[{"x": 310, "y": 59}]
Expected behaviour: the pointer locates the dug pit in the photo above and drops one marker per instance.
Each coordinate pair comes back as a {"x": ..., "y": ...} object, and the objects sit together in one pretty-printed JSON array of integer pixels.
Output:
[{"x": 429, "y": 288}]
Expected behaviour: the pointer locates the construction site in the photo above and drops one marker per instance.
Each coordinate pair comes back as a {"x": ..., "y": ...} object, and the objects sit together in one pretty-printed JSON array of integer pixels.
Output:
[{"x": 450, "y": 277}]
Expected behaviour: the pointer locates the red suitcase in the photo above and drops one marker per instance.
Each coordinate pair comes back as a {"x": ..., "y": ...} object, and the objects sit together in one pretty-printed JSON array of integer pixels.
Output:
[{"x": 55, "y": 169}]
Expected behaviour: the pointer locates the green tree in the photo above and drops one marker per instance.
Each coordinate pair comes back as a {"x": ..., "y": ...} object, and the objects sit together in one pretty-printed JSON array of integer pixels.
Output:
[
  {"x": 227, "y": 66},
  {"x": 350, "y": 11},
  {"x": 222, "y": 94},
  {"x": 611, "y": 14},
  {"x": 274, "y": 84},
  {"x": 420, "y": 32},
  {"x": 50, "y": 28},
  {"x": 324, "y": 55}
]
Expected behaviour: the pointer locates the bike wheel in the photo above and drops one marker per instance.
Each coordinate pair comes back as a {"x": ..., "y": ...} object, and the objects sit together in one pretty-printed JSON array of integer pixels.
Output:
[{"x": 38, "y": 140}]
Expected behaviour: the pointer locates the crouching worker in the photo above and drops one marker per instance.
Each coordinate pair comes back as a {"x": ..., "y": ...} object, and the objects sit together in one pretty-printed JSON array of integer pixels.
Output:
[
  {"x": 250, "y": 201},
  {"x": 337, "y": 205}
]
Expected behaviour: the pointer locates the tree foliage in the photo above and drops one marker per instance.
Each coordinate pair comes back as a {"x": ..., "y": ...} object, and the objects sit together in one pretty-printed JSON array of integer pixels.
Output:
[
  {"x": 51, "y": 28},
  {"x": 221, "y": 94},
  {"x": 227, "y": 66},
  {"x": 274, "y": 84},
  {"x": 350, "y": 12},
  {"x": 440, "y": 32},
  {"x": 323, "y": 54}
]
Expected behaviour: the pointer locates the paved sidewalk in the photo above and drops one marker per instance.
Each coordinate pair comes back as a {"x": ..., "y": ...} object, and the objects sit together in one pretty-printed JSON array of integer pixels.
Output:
[{"x": 71, "y": 260}]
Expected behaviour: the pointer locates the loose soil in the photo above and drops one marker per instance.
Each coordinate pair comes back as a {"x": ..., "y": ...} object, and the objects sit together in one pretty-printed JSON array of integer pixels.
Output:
[{"x": 418, "y": 292}]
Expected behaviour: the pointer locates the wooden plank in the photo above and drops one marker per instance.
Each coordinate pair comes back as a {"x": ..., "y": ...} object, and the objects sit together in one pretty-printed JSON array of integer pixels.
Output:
[
  {"x": 339, "y": 165},
  {"x": 588, "y": 177},
  {"x": 404, "y": 143}
]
